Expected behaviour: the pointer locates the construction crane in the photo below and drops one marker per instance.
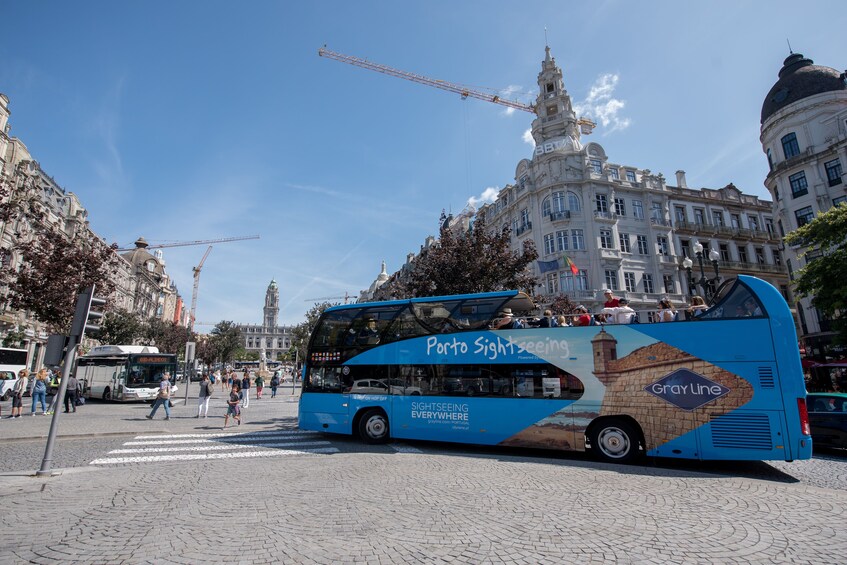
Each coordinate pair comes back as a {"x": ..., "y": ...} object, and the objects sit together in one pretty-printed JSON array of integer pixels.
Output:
[
  {"x": 586, "y": 125},
  {"x": 346, "y": 298},
  {"x": 194, "y": 292},
  {"x": 185, "y": 243}
]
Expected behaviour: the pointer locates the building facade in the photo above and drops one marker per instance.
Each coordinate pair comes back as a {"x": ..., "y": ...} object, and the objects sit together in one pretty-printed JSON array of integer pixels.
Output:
[
  {"x": 600, "y": 224},
  {"x": 141, "y": 282},
  {"x": 270, "y": 340},
  {"x": 804, "y": 137}
]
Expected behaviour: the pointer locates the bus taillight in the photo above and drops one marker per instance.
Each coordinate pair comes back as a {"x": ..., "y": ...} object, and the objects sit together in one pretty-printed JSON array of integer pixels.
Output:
[{"x": 804, "y": 417}]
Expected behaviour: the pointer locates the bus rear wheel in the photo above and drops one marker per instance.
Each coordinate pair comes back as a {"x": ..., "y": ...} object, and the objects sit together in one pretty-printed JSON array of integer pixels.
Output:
[
  {"x": 373, "y": 427},
  {"x": 107, "y": 394},
  {"x": 614, "y": 441}
]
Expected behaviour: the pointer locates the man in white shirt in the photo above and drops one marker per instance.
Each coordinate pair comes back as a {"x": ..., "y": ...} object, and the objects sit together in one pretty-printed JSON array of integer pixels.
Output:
[{"x": 622, "y": 314}]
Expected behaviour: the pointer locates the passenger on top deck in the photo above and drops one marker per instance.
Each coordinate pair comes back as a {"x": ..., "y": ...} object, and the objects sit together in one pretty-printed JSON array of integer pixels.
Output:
[
  {"x": 506, "y": 321},
  {"x": 621, "y": 314}
]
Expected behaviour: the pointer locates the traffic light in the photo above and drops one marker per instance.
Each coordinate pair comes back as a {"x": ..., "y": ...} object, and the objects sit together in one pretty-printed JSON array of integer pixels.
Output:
[{"x": 86, "y": 319}]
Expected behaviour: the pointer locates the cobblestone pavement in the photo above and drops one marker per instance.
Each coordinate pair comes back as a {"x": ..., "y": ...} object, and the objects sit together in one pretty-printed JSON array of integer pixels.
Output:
[{"x": 405, "y": 503}]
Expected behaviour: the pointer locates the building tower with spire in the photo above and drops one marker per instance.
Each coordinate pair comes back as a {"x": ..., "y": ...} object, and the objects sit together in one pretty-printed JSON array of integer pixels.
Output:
[
  {"x": 268, "y": 339},
  {"x": 271, "y": 309}
]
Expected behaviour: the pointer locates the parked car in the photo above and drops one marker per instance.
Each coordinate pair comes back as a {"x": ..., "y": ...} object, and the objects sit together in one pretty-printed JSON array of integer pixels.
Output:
[
  {"x": 8, "y": 380},
  {"x": 368, "y": 386},
  {"x": 828, "y": 418},
  {"x": 372, "y": 386}
]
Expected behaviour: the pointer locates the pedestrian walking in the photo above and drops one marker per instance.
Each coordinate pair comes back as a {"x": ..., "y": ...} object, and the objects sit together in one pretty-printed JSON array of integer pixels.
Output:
[
  {"x": 245, "y": 390},
  {"x": 260, "y": 385},
  {"x": 206, "y": 388},
  {"x": 39, "y": 392},
  {"x": 232, "y": 408},
  {"x": 18, "y": 393},
  {"x": 163, "y": 398},
  {"x": 274, "y": 384},
  {"x": 71, "y": 393}
]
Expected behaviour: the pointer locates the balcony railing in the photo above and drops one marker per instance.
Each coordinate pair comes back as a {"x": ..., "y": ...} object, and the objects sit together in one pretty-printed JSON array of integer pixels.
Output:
[
  {"x": 607, "y": 216},
  {"x": 560, "y": 215},
  {"x": 660, "y": 222},
  {"x": 523, "y": 228},
  {"x": 610, "y": 253}
]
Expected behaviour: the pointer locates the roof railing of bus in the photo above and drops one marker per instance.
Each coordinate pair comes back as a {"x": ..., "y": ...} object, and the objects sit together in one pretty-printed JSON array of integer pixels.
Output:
[{"x": 424, "y": 299}]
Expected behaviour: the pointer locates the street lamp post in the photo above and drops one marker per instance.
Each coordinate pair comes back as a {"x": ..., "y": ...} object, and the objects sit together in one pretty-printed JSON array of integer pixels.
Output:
[{"x": 708, "y": 284}]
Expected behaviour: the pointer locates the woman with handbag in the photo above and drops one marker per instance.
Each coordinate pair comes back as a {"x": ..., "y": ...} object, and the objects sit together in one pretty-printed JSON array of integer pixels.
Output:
[
  {"x": 206, "y": 388},
  {"x": 163, "y": 398}
]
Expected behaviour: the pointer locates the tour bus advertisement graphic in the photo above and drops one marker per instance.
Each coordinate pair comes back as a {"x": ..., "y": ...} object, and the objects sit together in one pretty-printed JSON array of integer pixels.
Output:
[{"x": 649, "y": 372}]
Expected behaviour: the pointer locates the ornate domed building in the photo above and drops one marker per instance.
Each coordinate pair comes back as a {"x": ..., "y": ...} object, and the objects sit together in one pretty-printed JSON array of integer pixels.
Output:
[{"x": 804, "y": 136}]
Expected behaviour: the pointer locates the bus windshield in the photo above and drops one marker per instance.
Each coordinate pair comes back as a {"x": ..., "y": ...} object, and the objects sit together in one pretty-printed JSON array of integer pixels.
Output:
[{"x": 145, "y": 370}]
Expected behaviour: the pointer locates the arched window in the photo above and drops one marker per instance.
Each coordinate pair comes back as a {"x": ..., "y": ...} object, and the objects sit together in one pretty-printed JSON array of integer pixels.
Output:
[
  {"x": 573, "y": 202},
  {"x": 553, "y": 203}
]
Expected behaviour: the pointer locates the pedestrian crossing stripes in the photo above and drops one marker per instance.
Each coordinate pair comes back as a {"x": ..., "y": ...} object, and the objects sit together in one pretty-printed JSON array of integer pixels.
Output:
[{"x": 223, "y": 445}]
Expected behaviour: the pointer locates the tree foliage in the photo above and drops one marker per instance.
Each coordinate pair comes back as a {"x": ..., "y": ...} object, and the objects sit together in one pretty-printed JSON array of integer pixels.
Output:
[
  {"x": 226, "y": 340},
  {"x": 167, "y": 336},
  {"x": 301, "y": 333},
  {"x": 562, "y": 304},
  {"x": 824, "y": 276},
  {"x": 479, "y": 260},
  {"x": 205, "y": 350},
  {"x": 120, "y": 327},
  {"x": 55, "y": 267},
  {"x": 14, "y": 338}
]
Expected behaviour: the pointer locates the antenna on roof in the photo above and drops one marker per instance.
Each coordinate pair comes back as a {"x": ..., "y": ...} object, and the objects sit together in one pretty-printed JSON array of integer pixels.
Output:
[{"x": 789, "y": 46}]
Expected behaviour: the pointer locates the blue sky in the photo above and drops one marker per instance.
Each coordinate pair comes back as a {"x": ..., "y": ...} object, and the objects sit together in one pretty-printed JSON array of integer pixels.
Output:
[{"x": 183, "y": 121}]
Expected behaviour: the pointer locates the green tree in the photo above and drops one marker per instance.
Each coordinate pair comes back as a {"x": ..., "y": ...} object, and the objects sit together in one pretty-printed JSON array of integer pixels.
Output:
[
  {"x": 301, "y": 333},
  {"x": 205, "y": 350},
  {"x": 55, "y": 266},
  {"x": 14, "y": 338},
  {"x": 55, "y": 269},
  {"x": 167, "y": 336},
  {"x": 226, "y": 340},
  {"x": 824, "y": 276},
  {"x": 480, "y": 260},
  {"x": 120, "y": 327},
  {"x": 562, "y": 304}
]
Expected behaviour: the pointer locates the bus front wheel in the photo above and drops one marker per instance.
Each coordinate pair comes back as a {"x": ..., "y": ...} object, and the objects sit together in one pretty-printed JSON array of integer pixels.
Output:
[
  {"x": 107, "y": 394},
  {"x": 615, "y": 441},
  {"x": 373, "y": 427}
]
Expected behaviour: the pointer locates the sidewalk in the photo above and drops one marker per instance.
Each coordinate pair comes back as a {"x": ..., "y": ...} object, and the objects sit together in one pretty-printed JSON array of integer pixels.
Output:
[{"x": 98, "y": 418}]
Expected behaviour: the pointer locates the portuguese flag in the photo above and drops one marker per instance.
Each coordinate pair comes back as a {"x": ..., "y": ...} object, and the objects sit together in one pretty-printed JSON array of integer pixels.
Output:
[{"x": 571, "y": 265}]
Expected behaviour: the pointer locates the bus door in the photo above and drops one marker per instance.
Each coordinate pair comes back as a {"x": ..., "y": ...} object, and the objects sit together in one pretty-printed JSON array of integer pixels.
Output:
[{"x": 325, "y": 404}]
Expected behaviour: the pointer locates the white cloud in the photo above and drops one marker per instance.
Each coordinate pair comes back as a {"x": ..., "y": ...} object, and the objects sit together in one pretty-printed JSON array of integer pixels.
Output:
[
  {"x": 602, "y": 106},
  {"x": 527, "y": 137},
  {"x": 488, "y": 196}
]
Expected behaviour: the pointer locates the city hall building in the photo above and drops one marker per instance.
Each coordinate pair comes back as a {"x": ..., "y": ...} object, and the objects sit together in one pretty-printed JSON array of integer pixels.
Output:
[{"x": 268, "y": 339}]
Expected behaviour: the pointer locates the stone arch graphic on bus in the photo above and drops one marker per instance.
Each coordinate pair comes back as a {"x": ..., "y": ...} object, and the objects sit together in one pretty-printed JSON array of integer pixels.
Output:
[{"x": 627, "y": 382}]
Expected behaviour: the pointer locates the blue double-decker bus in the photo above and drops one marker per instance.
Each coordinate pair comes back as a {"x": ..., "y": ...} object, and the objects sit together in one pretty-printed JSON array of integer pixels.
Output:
[{"x": 726, "y": 384}]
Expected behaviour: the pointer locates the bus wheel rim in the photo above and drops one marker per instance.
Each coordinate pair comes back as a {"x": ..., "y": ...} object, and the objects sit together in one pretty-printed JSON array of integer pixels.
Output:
[
  {"x": 375, "y": 427},
  {"x": 614, "y": 442}
]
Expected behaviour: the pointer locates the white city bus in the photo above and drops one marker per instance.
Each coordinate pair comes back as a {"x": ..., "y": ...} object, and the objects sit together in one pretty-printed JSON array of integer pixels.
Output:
[
  {"x": 124, "y": 372},
  {"x": 11, "y": 362}
]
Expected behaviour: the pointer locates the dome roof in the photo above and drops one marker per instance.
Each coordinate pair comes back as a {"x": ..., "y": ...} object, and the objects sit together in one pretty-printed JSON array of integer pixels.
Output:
[{"x": 800, "y": 78}]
